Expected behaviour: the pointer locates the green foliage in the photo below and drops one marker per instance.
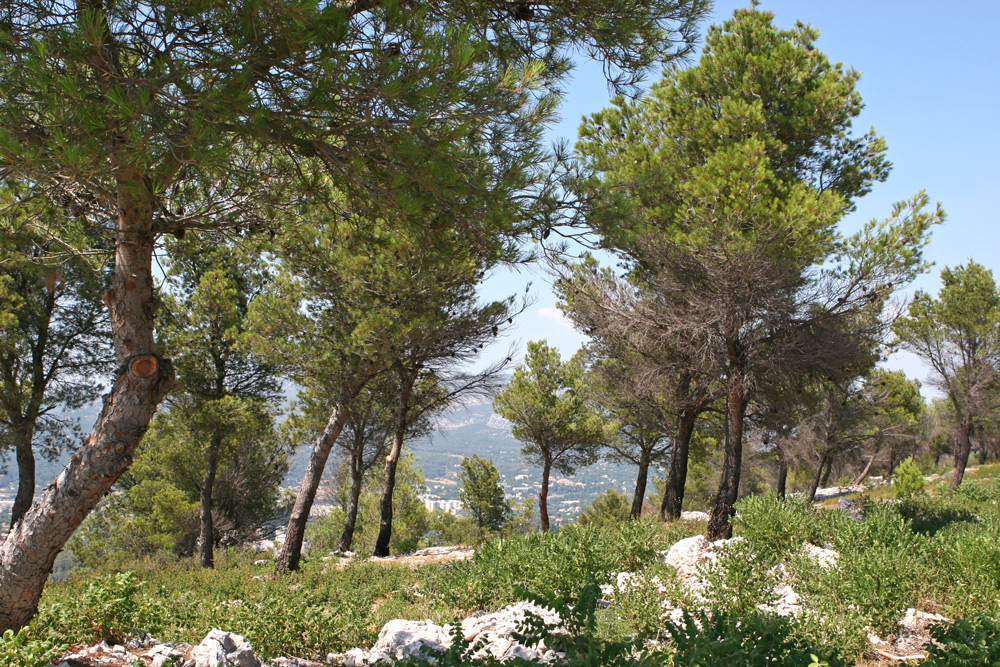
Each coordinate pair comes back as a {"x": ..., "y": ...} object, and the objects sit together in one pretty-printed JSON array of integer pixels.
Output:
[
  {"x": 20, "y": 650},
  {"x": 908, "y": 480},
  {"x": 481, "y": 493},
  {"x": 748, "y": 640},
  {"x": 964, "y": 643},
  {"x": 776, "y": 527},
  {"x": 607, "y": 510},
  {"x": 737, "y": 582},
  {"x": 108, "y": 609}
]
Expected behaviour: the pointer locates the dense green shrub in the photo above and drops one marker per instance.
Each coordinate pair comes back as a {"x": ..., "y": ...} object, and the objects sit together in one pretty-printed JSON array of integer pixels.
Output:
[
  {"x": 777, "y": 527},
  {"x": 750, "y": 640},
  {"x": 109, "y": 609},
  {"x": 965, "y": 643},
  {"x": 908, "y": 480},
  {"x": 739, "y": 579},
  {"x": 18, "y": 649},
  {"x": 607, "y": 510}
]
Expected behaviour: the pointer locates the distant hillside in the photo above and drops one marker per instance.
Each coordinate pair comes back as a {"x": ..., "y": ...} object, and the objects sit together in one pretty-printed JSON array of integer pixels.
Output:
[{"x": 470, "y": 429}]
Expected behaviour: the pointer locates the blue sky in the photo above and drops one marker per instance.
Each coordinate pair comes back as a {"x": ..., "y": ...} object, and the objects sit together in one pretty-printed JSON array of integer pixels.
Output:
[{"x": 931, "y": 87}]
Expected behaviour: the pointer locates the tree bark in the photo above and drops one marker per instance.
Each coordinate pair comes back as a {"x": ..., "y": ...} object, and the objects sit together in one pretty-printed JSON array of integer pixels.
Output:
[
  {"x": 207, "y": 536},
  {"x": 814, "y": 485},
  {"x": 962, "y": 452},
  {"x": 25, "y": 475},
  {"x": 729, "y": 481},
  {"x": 673, "y": 496},
  {"x": 291, "y": 550},
  {"x": 868, "y": 467},
  {"x": 782, "y": 477},
  {"x": 543, "y": 496},
  {"x": 143, "y": 379},
  {"x": 639, "y": 495},
  {"x": 827, "y": 472},
  {"x": 391, "y": 461},
  {"x": 347, "y": 536}
]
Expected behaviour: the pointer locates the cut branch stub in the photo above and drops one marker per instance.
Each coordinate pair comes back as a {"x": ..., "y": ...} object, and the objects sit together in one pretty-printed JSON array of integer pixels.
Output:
[{"x": 144, "y": 366}]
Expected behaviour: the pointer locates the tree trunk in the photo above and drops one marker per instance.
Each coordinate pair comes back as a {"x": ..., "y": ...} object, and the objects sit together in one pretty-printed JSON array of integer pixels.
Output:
[
  {"x": 25, "y": 475},
  {"x": 347, "y": 537},
  {"x": 291, "y": 550},
  {"x": 673, "y": 496},
  {"x": 639, "y": 496},
  {"x": 868, "y": 467},
  {"x": 827, "y": 472},
  {"x": 814, "y": 485},
  {"x": 782, "y": 477},
  {"x": 391, "y": 461},
  {"x": 962, "y": 453},
  {"x": 207, "y": 536},
  {"x": 982, "y": 453},
  {"x": 729, "y": 481},
  {"x": 543, "y": 496},
  {"x": 143, "y": 379}
]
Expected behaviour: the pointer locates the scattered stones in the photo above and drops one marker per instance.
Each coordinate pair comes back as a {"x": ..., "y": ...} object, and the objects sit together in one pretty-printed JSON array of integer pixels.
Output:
[
  {"x": 489, "y": 634},
  {"x": 694, "y": 516},
  {"x": 415, "y": 559},
  {"x": 825, "y": 558},
  {"x": 223, "y": 649}
]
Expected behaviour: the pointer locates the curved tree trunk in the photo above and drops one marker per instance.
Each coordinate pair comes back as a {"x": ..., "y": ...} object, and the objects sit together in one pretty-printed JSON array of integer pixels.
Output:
[
  {"x": 25, "y": 475},
  {"x": 391, "y": 461},
  {"x": 962, "y": 452},
  {"x": 827, "y": 472},
  {"x": 291, "y": 550},
  {"x": 639, "y": 495},
  {"x": 673, "y": 496},
  {"x": 143, "y": 379},
  {"x": 543, "y": 496},
  {"x": 729, "y": 481},
  {"x": 207, "y": 536}
]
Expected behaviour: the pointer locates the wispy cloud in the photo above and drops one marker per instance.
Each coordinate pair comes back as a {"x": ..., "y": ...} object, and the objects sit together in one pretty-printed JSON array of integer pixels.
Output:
[{"x": 555, "y": 315}]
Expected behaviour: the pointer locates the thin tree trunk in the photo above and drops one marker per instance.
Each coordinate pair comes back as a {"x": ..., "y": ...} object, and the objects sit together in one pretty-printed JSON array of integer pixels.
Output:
[
  {"x": 982, "y": 453},
  {"x": 143, "y": 379},
  {"x": 729, "y": 481},
  {"x": 814, "y": 485},
  {"x": 673, "y": 496},
  {"x": 207, "y": 536},
  {"x": 962, "y": 453},
  {"x": 291, "y": 550},
  {"x": 391, "y": 461},
  {"x": 782, "y": 477},
  {"x": 868, "y": 467},
  {"x": 347, "y": 537},
  {"x": 639, "y": 495},
  {"x": 543, "y": 496}
]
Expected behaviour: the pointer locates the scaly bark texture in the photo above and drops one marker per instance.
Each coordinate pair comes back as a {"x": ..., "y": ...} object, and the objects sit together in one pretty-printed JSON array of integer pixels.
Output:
[{"x": 143, "y": 379}]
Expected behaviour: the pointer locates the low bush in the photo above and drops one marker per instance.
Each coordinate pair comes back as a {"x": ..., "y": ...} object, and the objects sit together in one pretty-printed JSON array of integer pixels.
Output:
[
  {"x": 908, "y": 481},
  {"x": 777, "y": 527},
  {"x": 19, "y": 649},
  {"x": 973, "y": 642}
]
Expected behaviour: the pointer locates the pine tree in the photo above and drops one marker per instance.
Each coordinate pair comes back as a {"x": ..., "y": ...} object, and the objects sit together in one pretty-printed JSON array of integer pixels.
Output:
[
  {"x": 481, "y": 493},
  {"x": 545, "y": 401}
]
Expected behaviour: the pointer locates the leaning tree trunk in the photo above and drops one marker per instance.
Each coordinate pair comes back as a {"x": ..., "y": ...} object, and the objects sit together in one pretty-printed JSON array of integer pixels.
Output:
[
  {"x": 729, "y": 481},
  {"x": 25, "y": 474},
  {"x": 291, "y": 550},
  {"x": 543, "y": 496},
  {"x": 207, "y": 536},
  {"x": 391, "y": 461},
  {"x": 827, "y": 472},
  {"x": 673, "y": 496},
  {"x": 347, "y": 536},
  {"x": 143, "y": 379},
  {"x": 639, "y": 495},
  {"x": 814, "y": 485},
  {"x": 868, "y": 467},
  {"x": 962, "y": 452}
]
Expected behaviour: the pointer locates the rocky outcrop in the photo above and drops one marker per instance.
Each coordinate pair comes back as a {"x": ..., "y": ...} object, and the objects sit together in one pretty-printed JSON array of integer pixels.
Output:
[
  {"x": 487, "y": 634},
  {"x": 223, "y": 649},
  {"x": 218, "y": 649}
]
